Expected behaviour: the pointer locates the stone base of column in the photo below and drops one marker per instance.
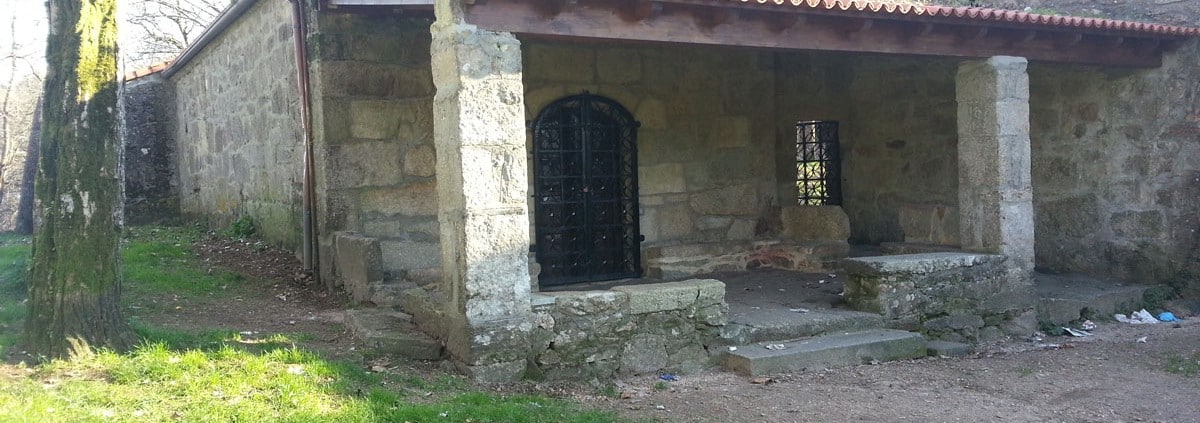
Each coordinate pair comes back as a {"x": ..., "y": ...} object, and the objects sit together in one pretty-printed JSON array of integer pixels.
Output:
[{"x": 494, "y": 351}]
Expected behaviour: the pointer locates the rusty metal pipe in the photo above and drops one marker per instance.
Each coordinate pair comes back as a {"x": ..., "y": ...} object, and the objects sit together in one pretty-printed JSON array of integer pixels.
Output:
[{"x": 310, "y": 251}]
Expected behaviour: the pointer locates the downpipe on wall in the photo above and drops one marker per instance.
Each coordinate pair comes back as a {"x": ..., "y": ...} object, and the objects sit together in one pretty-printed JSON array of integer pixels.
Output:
[{"x": 309, "y": 249}]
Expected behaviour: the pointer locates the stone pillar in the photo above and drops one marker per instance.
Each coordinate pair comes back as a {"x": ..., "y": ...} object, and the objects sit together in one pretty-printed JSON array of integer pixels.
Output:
[
  {"x": 479, "y": 133},
  {"x": 995, "y": 193}
]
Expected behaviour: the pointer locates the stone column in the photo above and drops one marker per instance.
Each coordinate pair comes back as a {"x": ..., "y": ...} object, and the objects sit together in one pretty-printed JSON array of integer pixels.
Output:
[
  {"x": 479, "y": 133},
  {"x": 995, "y": 193}
]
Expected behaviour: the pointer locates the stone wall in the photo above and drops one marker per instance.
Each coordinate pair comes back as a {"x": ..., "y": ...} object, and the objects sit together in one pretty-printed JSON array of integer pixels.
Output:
[
  {"x": 372, "y": 107},
  {"x": 1115, "y": 169},
  {"x": 704, "y": 137},
  {"x": 716, "y": 161},
  {"x": 150, "y": 186},
  {"x": 238, "y": 127},
  {"x": 629, "y": 330},
  {"x": 897, "y": 130}
]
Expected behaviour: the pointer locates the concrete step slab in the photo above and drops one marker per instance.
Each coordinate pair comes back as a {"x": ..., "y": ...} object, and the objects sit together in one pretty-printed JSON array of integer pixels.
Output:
[
  {"x": 390, "y": 332},
  {"x": 777, "y": 324},
  {"x": 828, "y": 351},
  {"x": 1065, "y": 297}
]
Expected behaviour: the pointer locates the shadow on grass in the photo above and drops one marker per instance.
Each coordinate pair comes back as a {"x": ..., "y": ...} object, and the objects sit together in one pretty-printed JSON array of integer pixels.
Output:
[{"x": 225, "y": 376}]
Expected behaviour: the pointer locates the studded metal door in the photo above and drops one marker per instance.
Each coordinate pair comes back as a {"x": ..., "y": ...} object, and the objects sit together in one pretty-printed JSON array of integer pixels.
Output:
[{"x": 585, "y": 186}]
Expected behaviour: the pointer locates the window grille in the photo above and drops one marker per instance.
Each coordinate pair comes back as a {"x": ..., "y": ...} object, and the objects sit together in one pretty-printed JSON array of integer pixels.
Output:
[{"x": 818, "y": 164}]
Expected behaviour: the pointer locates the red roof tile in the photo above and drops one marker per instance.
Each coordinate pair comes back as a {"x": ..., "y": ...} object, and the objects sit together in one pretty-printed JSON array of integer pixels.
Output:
[
  {"x": 984, "y": 14},
  {"x": 148, "y": 70}
]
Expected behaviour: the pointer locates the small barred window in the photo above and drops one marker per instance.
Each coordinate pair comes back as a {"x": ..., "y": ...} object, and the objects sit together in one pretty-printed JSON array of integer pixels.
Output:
[{"x": 818, "y": 164}]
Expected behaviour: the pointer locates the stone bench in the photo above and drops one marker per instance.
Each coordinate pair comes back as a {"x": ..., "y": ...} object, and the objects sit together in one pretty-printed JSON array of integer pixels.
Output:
[
  {"x": 964, "y": 297},
  {"x": 683, "y": 260}
]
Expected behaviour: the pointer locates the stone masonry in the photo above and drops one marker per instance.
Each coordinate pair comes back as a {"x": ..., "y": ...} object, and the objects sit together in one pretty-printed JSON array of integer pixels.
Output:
[
  {"x": 1115, "y": 159},
  {"x": 237, "y": 127},
  {"x": 957, "y": 297},
  {"x": 995, "y": 196},
  {"x": 479, "y": 132},
  {"x": 628, "y": 330},
  {"x": 373, "y": 132}
]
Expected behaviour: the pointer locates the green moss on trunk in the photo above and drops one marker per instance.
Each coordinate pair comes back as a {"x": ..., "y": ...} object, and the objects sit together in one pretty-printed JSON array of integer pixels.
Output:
[{"x": 74, "y": 286}]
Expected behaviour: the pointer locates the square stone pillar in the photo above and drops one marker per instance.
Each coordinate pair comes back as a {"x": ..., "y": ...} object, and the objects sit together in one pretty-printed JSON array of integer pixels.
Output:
[
  {"x": 479, "y": 133},
  {"x": 995, "y": 192}
]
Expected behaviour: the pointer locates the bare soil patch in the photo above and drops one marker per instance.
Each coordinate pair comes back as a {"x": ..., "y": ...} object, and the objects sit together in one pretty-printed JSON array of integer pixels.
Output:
[{"x": 274, "y": 297}]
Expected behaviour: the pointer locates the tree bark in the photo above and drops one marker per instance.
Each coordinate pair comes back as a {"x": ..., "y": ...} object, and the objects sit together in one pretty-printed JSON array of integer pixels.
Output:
[{"x": 75, "y": 282}]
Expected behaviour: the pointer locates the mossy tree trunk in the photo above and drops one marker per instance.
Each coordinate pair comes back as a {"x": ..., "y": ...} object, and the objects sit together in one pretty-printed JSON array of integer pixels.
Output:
[{"x": 75, "y": 283}]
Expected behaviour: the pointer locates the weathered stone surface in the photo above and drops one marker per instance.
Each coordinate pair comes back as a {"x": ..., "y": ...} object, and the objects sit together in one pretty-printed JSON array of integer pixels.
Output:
[
  {"x": 929, "y": 224},
  {"x": 643, "y": 354},
  {"x": 582, "y": 303},
  {"x": 375, "y": 119},
  {"x": 389, "y": 332},
  {"x": 731, "y": 200},
  {"x": 365, "y": 164},
  {"x": 359, "y": 263},
  {"x": 666, "y": 296},
  {"x": 479, "y": 134},
  {"x": 916, "y": 263},
  {"x": 673, "y": 221},
  {"x": 995, "y": 194},
  {"x": 237, "y": 135},
  {"x": 618, "y": 66},
  {"x": 957, "y": 322},
  {"x": 401, "y": 256},
  {"x": 828, "y": 352},
  {"x": 773, "y": 325},
  {"x": 813, "y": 223},
  {"x": 949, "y": 296},
  {"x": 420, "y": 161},
  {"x": 662, "y": 178},
  {"x": 410, "y": 200}
]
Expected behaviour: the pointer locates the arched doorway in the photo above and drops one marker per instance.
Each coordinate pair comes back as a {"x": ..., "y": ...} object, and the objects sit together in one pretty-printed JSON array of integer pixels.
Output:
[{"x": 585, "y": 189}]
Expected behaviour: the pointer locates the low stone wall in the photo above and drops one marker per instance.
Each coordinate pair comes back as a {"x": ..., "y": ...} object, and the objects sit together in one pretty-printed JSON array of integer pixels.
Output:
[
  {"x": 603, "y": 334},
  {"x": 635, "y": 329},
  {"x": 952, "y": 296}
]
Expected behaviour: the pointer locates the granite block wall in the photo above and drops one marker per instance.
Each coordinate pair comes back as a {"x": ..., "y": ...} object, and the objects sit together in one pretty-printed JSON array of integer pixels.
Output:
[{"x": 237, "y": 130}]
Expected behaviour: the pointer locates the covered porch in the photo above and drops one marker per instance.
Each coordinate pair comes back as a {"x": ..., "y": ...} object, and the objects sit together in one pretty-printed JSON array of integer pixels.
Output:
[{"x": 716, "y": 89}]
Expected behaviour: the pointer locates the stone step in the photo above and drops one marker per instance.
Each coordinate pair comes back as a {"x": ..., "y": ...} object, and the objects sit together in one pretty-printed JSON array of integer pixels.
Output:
[
  {"x": 784, "y": 324},
  {"x": 829, "y": 351},
  {"x": 1063, "y": 297},
  {"x": 391, "y": 332}
]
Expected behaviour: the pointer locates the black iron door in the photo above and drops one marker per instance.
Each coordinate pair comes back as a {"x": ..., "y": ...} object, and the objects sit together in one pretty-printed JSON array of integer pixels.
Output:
[{"x": 585, "y": 185}]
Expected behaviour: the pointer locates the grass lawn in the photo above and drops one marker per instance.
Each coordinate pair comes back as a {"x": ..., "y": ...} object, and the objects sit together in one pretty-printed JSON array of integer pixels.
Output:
[{"x": 213, "y": 375}]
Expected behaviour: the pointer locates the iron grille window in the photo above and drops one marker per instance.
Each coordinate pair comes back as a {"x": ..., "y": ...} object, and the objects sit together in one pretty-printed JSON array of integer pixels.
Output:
[{"x": 818, "y": 164}]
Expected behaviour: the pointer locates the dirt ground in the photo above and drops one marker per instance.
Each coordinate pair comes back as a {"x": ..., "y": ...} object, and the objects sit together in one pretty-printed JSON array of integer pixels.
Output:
[{"x": 1110, "y": 377}]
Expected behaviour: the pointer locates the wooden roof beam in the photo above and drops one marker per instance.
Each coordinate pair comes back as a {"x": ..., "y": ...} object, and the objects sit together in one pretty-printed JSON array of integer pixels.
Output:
[{"x": 678, "y": 23}]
